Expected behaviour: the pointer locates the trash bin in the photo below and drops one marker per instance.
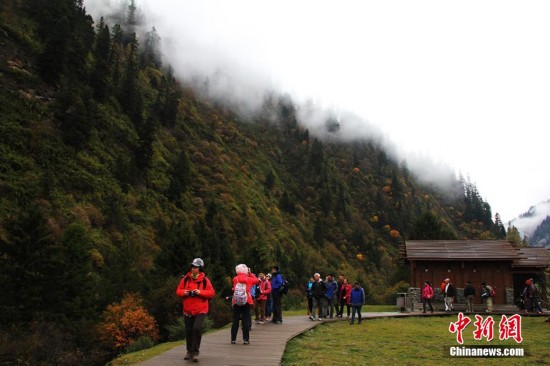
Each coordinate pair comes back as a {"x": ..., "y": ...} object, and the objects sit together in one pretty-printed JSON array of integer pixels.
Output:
[{"x": 402, "y": 302}]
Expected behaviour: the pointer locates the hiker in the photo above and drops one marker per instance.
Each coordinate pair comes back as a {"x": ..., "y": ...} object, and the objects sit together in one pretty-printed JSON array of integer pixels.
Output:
[
  {"x": 357, "y": 301},
  {"x": 535, "y": 297},
  {"x": 263, "y": 289},
  {"x": 338, "y": 291},
  {"x": 469, "y": 295},
  {"x": 449, "y": 294},
  {"x": 254, "y": 292},
  {"x": 269, "y": 303},
  {"x": 318, "y": 291},
  {"x": 195, "y": 289},
  {"x": 427, "y": 296},
  {"x": 330, "y": 294},
  {"x": 345, "y": 292},
  {"x": 242, "y": 302},
  {"x": 487, "y": 294},
  {"x": 309, "y": 294},
  {"x": 276, "y": 285}
]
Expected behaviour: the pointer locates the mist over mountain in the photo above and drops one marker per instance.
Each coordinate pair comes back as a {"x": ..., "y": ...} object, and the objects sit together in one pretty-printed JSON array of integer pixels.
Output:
[
  {"x": 214, "y": 58},
  {"x": 535, "y": 224}
]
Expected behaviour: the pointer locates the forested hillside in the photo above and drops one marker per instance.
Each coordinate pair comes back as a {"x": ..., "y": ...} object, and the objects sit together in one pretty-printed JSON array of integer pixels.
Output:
[{"x": 114, "y": 176}]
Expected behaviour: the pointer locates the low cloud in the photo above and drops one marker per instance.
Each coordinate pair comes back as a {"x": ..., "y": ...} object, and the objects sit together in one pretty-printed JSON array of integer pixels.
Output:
[
  {"x": 528, "y": 222},
  {"x": 224, "y": 59}
]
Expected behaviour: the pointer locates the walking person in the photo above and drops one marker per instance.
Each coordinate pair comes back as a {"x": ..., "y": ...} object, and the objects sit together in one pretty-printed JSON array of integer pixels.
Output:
[
  {"x": 469, "y": 295},
  {"x": 318, "y": 292},
  {"x": 331, "y": 295},
  {"x": 309, "y": 294},
  {"x": 449, "y": 294},
  {"x": 263, "y": 290},
  {"x": 195, "y": 289},
  {"x": 357, "y": 301},
  {"x": 345, "y": 292},
  {"x": 269, "y": 302},
  {"x": 487, "y": 293},
  {"x": 277, "y": 284},
  {"x": 242, "y": 302},
  {"x": 427, "y": 296},
  {"x": 535, "y": 293}
]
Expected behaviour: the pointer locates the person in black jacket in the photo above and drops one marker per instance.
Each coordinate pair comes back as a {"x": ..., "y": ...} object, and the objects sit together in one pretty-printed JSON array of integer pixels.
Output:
[
  {"x": 449, "y": 294},
  {"x": 469, "y": 295},
  {"x": 318, "y": 290}
]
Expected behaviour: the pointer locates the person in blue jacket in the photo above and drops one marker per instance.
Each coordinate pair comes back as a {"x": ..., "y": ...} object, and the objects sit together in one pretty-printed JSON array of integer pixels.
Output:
[
  {"x": 332, "y": 291},
  {"x": 357, "y": 301},
  {"x": 276, "y": 285}
]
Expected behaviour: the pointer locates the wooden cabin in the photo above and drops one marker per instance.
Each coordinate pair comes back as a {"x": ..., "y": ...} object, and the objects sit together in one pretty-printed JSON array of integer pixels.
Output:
[
  {"x": 531, "y": 264},
  {"x": 489, "y": 261}
]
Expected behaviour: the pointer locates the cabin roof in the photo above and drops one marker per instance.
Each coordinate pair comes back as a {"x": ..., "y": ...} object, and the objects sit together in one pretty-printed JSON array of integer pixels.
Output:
[
  {"x": 473, "y": 250},
  {"x": 533, "y": 257}
]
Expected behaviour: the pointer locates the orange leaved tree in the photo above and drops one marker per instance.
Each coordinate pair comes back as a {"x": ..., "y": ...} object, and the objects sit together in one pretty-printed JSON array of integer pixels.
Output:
[{"x": 125, "y": 322}]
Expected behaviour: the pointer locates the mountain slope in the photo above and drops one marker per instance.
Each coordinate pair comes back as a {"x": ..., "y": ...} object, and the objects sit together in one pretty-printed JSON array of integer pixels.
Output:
[{"x": 114, "y": 176}]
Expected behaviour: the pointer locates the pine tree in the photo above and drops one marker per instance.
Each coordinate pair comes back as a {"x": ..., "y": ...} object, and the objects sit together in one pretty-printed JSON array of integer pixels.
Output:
[
  {"x": 100, "y": 80},
  {"x": 27, "y": 268},
  {"x": 513, "y": 236},
  {"x": 151, "y": 49},
  {"x": 430, "y": 227},
  {"x": 181, "y": 177}
]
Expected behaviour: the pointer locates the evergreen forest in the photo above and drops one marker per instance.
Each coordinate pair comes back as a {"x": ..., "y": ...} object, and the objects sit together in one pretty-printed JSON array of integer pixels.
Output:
[{"x": 115, "y": 174}]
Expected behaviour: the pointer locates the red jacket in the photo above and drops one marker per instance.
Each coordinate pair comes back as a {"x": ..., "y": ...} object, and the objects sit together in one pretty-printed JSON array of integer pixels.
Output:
[
  {"x": 427, "y": 292},
  {"x": 265, "y": 289},
  {"x": 347, "y": 295},
  {"x": 194, "y": 305},
  {"x": 250, "y": 280}
]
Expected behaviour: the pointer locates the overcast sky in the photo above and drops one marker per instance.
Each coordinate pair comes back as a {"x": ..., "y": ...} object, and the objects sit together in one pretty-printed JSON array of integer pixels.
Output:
[{"x": 466, "y": 83}]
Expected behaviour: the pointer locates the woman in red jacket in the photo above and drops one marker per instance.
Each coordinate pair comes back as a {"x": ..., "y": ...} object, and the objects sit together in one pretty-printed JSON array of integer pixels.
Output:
[
  {"x": 195, "y": 289},
  {"x": 427, "y": 296},
  {"x": 261, "y": 298},
  {"x": 242, "y": 302},
  {"x": 345, "y": 298}
]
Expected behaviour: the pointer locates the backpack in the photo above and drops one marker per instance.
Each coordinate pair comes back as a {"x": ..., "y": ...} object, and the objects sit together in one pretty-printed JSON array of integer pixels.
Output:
[
  {"x": 492, "y": 291},
  {"x": 284, "y": 288},
  {"x": 239, "y": 294},
  {"x": 186, "y": 281}
]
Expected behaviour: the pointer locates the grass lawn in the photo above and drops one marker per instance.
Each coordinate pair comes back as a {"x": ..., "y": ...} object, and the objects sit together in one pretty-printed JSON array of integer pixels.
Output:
[
  {"x": 409, "y": 341},
  {"x": 140, "y": 356},
  {"x": 365, "y": 309}
]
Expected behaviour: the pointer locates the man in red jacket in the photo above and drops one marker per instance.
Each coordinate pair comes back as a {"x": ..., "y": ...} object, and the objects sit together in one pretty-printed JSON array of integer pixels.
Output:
[{"x": 195, "y": 289}]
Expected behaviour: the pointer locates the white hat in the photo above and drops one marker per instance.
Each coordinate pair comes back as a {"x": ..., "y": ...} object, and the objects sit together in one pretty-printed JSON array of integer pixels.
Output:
[
  {"x": 197, "y": 262},
  {"x": 241, "y": 269}
]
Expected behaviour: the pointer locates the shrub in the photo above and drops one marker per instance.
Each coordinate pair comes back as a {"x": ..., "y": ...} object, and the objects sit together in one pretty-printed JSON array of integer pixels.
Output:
[
  {"x": 294, "y": 299},
  {"x": 143, "y": 342},
  {"x": 220, "y": 312},
  {"x": 125, "y": 322},
  {"x": 176, "y": 331},
  {"x": 43, "y": 343}
]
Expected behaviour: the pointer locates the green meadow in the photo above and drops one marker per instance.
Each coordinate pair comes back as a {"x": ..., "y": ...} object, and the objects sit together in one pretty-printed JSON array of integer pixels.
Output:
[{"x": 410, "y": 341}]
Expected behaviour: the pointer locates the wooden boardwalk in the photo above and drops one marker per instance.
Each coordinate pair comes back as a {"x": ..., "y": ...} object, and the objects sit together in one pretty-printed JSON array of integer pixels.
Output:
[{"x": 267, "y": 344}]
